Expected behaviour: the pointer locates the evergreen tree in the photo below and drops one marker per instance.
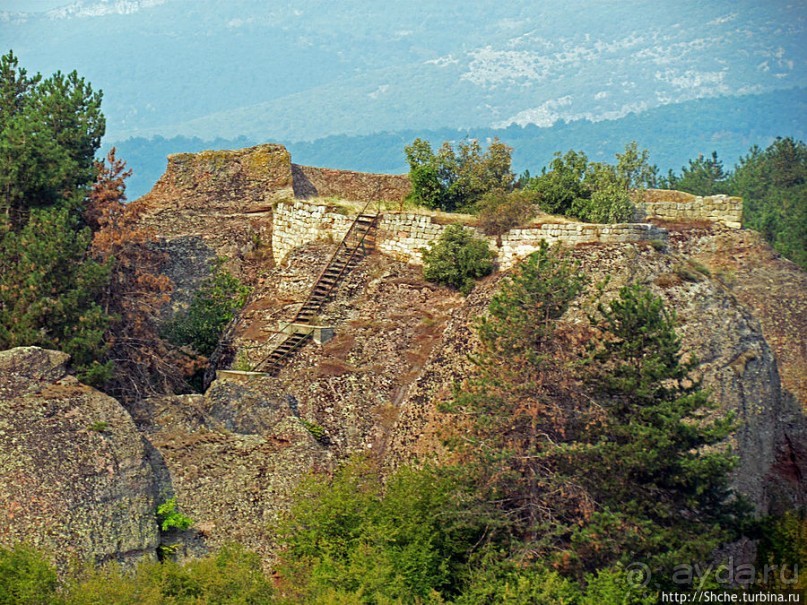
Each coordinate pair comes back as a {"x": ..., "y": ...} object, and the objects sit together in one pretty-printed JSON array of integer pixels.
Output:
[
  {"x": 50, "y": 287},
  {"x": 523, "y": 403},
  {"x": 652, "y": 465},
  {"x": 703, "y": 176},
  {"x": 49, "y": 132},
  {"x": 773, "y": 185},
  {"x": 49, "y": 291}
]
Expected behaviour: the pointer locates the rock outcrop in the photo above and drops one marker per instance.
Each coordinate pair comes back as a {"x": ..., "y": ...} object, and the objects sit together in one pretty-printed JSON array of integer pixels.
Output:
[
  {"x": 232, "y": 457},
  {"x": 79, "y": 477},
  {"x": 737, "y": 366},
  {"x": 74, "y": 477}
]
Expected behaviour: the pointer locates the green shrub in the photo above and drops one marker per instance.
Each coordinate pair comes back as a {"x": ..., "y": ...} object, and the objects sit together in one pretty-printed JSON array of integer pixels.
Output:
[
  {"x": 559, "y": 186},
  {"x": 230, "y": 576},
  {"x": 594, "y": 192},
  {"x": 169, "y": 518},
  {"x": 498, "y": 211},
  {"x": 610, "y": 204},
  {"x": 212, "y": 308},
  {"x": 457, "y": 259},
  {"x": 26, "y": 577},
  {"x": 357, "y": 539}
]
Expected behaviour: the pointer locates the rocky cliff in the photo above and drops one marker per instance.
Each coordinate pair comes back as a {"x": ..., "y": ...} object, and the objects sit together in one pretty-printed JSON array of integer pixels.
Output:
[
  {"x": 74, "y": 474},
  {"x": 234, "y": 454}
]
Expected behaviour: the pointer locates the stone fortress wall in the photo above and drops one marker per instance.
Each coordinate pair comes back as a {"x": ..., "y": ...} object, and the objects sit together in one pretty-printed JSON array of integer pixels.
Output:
[
  {"x": 404, "y": 235},
  {"x": 667, "y": 205},
  {"x": 226, "y": 199}
]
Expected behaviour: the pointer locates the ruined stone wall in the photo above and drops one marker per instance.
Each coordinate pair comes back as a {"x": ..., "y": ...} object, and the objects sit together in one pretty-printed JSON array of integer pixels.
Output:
[
  {"x": 405, "y": 235},
  {"x": 359, "y": 186},
  {"x": 665, "y": 204},
  {"x": 297, "y": 223},
  {"x": 519, "y": 243}
]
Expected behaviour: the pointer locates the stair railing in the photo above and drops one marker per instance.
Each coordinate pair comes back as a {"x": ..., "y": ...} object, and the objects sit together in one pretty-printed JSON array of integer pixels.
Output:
[{"x": 343, "y": 245}]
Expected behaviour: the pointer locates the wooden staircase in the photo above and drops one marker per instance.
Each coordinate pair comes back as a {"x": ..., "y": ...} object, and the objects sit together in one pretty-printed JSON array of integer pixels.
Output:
[{"x": 358, "y": 241}]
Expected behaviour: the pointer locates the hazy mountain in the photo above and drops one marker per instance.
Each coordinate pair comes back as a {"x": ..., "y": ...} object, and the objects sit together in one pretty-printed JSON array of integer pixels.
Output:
[
  {"x": 309, "y": 69},
  {"x": 673, "y": 133}
]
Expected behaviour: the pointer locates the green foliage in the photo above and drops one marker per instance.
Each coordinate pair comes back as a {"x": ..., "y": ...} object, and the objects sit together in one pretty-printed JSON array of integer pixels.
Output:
[
  {"x": 317, "y": 431},
  {"x": 651, "y": 461},
  {"x": 170, "y": 519},
  {"x": 773, "y": 185},
  {"x": 213, "y": 306},
  {"x": 703, "y": 176},
  {"x": 523, "y": 314},
  {"x": 26, "y": 577},
  {"x": 457, "y": 259},
  {"x": 783, "y": 548},
  {"x": 49, "y": 288},
  {"x": 609, "y": 203},
  {"x": 593, "y": 192},
  {"x": 49, "y": 291},
  {"x": 455, "y": 179},
  {"x": 50, "y": 130},
  {"x": 499, "y": 211},
  {"x": 563, "y": 183},
  {"x": 353, "y": 536},
  {"x": 99, "y": 426},
  {"x": 633, "y": 168},
  {"x": 532, "y": 584},
  {"x": 231, "y": 576}
]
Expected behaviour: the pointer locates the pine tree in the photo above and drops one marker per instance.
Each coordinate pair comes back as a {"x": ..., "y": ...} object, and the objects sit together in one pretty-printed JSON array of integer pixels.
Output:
[
  {"x": 50, "y": 287},
  {"x": 523, "y": 402},
  {"x": 654, "y": 465}
]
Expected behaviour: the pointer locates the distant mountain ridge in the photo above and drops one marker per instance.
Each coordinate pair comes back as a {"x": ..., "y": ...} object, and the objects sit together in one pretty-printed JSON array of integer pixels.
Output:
[
  {"x": 308, "y": 69},
  {"x": 672, "y": 133}
]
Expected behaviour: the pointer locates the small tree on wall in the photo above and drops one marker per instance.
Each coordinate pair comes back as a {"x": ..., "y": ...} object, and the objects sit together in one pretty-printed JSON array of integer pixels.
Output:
[
  {"x": 455, "y": 178},
  {"x": 457, "y": 259}
]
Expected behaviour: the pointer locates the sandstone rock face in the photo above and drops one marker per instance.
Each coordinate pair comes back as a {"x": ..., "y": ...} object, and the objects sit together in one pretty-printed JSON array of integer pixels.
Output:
[
  {"x": 737, "y": 366},
  {"x": 74, "y": 478},
  {"x": 232, "y": 458}
]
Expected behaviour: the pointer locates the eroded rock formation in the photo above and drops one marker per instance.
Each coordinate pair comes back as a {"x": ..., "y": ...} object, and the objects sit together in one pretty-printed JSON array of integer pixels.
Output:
[{"x": 74, "y": 477}]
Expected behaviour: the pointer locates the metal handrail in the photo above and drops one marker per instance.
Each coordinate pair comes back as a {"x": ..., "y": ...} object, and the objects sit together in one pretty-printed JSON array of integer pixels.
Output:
[
  {"x": 342, "y": 244},
  {"x": 351, "y": 230}
]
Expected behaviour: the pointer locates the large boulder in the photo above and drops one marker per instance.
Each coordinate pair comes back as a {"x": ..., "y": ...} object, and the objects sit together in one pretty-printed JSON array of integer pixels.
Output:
[
  {"x": 233, "y": 458},
  {"x": 74, "y": 477}
]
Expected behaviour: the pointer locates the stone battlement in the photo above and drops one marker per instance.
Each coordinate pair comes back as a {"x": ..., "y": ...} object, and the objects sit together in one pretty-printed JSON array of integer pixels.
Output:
[
  {"x": 668, "y": 205},
  {"x": 403, "y": 235}
]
